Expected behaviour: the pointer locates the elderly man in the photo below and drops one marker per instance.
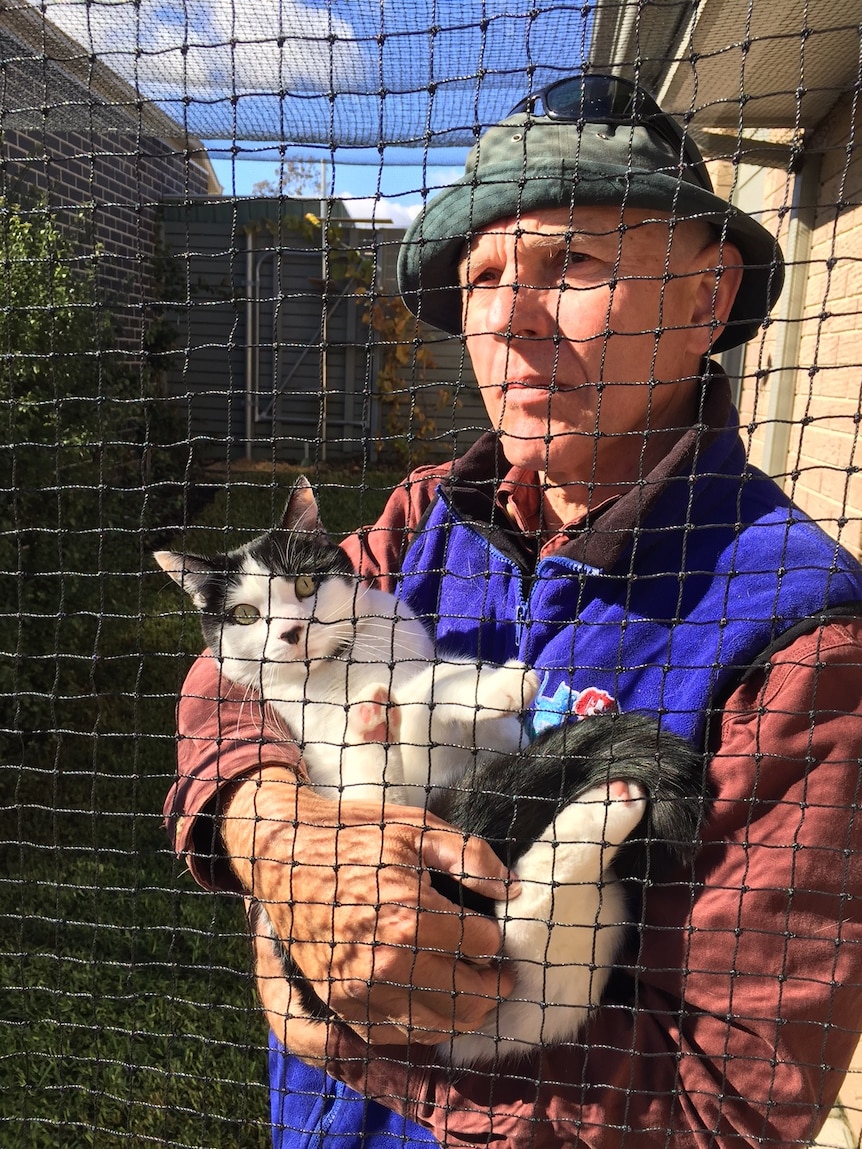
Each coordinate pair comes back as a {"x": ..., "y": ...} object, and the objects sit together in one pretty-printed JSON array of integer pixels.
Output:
[{"x": 608, "y": 531}]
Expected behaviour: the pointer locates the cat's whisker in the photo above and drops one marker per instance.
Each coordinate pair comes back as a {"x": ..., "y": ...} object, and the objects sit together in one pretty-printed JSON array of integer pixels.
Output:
[
  {"x": 360, "y": 591},
  {"x": 280, "y": 550},
  {"x": 252, "y": 704}
]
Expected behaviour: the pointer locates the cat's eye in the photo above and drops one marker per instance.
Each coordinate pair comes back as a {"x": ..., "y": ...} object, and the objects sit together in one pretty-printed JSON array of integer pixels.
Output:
[
  {"x": 245, "y": 614},
  {"x": 305, "y": 585}
]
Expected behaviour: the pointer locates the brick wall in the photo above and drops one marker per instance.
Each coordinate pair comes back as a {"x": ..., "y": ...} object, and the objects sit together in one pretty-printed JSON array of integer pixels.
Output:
[
  {"x": 824, "y": 446},
  {"x": 76, "y": 137},
  {"x": 114, "y": 183}
]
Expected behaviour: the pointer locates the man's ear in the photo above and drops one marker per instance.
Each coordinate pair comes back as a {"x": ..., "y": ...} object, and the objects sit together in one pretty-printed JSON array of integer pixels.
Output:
[{"x": 714, "y": 295}]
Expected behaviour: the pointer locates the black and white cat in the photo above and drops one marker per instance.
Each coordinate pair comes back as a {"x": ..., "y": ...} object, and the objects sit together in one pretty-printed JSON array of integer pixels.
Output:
[
  {"x": 587, "y": 815},
  {"x": 287, "y": 618}
]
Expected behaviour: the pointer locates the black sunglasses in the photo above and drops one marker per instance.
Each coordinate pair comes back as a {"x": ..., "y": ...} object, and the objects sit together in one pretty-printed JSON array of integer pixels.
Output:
[{"x": 595, "y": 99}]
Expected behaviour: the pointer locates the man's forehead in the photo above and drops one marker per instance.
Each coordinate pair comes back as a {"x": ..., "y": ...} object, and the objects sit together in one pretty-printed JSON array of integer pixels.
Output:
[{"x": 600, "y": 220}]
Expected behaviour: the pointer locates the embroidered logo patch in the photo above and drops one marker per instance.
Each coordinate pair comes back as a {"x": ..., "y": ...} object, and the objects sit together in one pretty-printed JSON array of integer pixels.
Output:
[{"x": 566, "y": 703}]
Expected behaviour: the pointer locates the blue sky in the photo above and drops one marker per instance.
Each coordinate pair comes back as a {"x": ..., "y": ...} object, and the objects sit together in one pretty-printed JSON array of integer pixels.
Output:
[{"x": 411, "y": 80}]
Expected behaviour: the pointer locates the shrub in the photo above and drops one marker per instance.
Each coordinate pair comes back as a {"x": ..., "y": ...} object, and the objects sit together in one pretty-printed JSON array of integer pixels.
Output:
[
  {"x": 106, "y": 959},
  {"x": 76, "y": 429}
]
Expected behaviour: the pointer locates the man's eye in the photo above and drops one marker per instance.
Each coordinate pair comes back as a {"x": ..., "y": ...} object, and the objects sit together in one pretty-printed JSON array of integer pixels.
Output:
[
  {"x": 482, "y": 277},
  {"x": 567, "y": 261},
  {"x": 305, "y": 586},
  {"x": 245, "y": 614}
]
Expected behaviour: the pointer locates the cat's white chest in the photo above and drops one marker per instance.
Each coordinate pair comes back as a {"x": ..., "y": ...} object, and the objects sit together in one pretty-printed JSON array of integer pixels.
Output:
[{"x": 387, "y": 648}]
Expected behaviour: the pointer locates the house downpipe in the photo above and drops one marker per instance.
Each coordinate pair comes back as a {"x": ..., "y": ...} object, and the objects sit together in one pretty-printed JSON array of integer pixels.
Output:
[
  {"x": 789, "y": 318},
  {"x": 250, "y": 336}
]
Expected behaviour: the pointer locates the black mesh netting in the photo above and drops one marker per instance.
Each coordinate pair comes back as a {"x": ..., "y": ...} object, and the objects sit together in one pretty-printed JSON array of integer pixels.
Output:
[{"x": 201, "y": 211}]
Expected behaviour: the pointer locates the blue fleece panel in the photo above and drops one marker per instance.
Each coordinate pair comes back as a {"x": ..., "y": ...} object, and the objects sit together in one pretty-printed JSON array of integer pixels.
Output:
[
  {"x": 707, "y": 598},
  {"x": 309, "y": 1109}
]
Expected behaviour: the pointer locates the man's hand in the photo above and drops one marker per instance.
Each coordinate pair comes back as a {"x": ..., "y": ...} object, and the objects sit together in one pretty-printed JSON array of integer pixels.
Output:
[{"x": 352, "y": 893}]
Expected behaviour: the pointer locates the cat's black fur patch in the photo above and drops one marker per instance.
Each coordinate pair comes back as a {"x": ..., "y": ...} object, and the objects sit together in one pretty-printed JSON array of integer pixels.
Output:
[
  {"x": 283, "y": 553},
  {"x": 511, "y": 800}
]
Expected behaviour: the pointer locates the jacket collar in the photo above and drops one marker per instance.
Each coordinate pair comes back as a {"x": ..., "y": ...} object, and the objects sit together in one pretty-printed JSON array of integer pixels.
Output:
[{"x": 602, "y": 540}]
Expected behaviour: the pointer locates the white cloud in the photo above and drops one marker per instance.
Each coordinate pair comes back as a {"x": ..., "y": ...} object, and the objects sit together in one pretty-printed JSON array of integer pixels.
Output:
[
  {"x": 217, "y": 47},
  {"x": 380, "y": 211}
]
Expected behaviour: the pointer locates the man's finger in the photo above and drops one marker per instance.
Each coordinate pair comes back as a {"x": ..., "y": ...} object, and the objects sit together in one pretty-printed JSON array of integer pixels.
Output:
[
  {"x": 471, "y": 861},
  {"x": 428, "y": 1016}
]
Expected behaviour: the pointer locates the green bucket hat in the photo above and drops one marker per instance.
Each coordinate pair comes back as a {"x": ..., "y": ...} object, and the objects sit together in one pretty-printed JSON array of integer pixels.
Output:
[{"x": 528, "y": 162}]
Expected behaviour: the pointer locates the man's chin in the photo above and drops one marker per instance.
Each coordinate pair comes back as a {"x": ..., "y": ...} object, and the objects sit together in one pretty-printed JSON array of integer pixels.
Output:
[{"x": 547, "y": 452}]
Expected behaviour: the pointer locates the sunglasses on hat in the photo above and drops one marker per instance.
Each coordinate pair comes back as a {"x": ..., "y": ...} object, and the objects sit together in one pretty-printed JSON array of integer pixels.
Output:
[{"x": 596, "y": 99}]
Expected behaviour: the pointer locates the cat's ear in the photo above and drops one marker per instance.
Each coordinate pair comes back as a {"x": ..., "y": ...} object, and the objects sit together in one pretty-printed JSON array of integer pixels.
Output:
[
  {"x": 302, "y": 512},
  {"x": 191, "y": 572}
]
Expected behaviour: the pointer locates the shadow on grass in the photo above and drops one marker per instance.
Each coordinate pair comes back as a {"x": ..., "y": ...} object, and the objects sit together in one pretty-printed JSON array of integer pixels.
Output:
[{"x": 127, "y": 1013}]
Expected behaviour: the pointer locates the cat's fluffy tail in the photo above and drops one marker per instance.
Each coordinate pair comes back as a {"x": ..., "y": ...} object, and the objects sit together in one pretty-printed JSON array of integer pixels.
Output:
[{"x": 511, "y": 800}]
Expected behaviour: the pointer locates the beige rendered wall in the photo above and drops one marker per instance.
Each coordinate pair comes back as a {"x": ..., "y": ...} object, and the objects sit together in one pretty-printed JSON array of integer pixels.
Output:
[{"x": 813, "y": 351}]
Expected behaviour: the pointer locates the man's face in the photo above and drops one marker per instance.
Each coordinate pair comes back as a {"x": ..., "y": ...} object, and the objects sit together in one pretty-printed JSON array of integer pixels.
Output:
[{"x": 584, "y": 331}]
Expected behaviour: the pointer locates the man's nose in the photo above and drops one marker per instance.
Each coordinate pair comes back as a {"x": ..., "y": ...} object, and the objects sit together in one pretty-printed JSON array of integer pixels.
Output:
[{"x": 523, "y": 310}]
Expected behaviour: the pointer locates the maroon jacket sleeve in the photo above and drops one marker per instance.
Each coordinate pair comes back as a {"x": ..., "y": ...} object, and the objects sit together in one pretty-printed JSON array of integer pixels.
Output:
[
  {"x": 224, "y": 732},
  {"x": 747, "y": 975},
  {"x": 377, "y": 551}
]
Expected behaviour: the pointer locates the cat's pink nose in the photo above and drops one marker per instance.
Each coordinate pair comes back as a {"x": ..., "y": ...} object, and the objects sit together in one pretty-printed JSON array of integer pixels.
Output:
[{"x": 292, "y": 636}]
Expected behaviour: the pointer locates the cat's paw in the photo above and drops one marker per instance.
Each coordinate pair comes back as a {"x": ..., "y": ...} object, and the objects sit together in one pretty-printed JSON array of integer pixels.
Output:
[
  {"x": 616, "y": 809},
  {"x": 506, "y": 689},
  {"x": 375, "y": 719}
]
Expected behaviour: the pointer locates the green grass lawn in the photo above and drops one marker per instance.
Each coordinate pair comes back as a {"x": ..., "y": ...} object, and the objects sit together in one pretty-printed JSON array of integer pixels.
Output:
[{"x": 128, "y": 1016}]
